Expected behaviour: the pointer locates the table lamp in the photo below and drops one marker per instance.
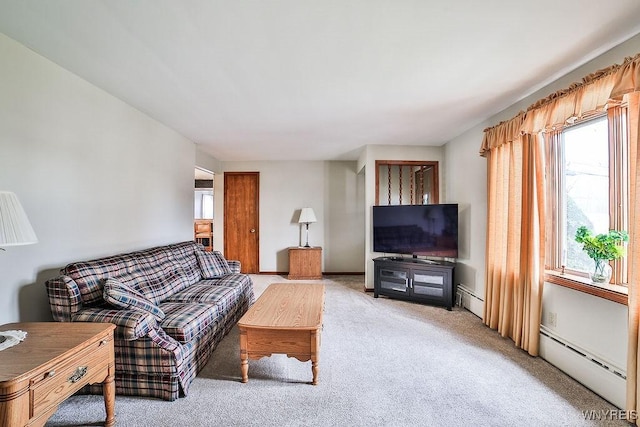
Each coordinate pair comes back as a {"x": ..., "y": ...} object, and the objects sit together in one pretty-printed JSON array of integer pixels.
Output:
[
  {"x": 15, "y": 228},
  {"x": 307, "y": 216}
]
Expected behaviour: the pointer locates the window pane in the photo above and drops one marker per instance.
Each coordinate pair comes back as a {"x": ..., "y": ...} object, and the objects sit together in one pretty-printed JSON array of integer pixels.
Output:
[
  {"x": 207, "y": 206},
  {"x": 586, "y": 182}
]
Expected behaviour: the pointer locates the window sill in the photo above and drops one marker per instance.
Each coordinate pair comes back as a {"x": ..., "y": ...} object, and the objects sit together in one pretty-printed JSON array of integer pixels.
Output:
[{"x": 615, "y": 293}]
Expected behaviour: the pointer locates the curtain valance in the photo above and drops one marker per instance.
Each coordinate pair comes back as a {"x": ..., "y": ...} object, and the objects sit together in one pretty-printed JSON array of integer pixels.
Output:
[
  {"x": 505, "y": 132},
  {"x": 590, "y": 95},
  {"x": 627, "y": 78}
]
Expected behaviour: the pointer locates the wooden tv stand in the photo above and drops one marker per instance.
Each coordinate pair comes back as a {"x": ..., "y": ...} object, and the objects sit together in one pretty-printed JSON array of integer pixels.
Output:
[{"x": 415, "y": 279}]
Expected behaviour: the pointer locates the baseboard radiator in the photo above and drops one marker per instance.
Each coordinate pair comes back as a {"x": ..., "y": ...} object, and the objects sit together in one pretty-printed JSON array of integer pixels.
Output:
[
  {"x": 595, "y": 372},
  {"x": 467, "y": 299},
  {"x": 591, "y": 370}
]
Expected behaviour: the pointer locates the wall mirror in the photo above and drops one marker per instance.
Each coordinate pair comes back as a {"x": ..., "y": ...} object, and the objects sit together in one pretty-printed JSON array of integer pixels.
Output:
[{"x": 406, "y": 182}]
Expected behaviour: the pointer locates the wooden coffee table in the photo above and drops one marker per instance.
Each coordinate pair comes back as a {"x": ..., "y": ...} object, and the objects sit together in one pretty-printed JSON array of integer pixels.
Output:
[
  {"x": 286, "y": 319},
  {"x": 54, "y": 361}
]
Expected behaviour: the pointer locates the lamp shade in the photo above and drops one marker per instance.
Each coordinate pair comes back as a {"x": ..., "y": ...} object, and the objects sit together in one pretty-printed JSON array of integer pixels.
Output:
[
  {"x": 307, "y": 216},
  {"x": 15, "y": 228}
]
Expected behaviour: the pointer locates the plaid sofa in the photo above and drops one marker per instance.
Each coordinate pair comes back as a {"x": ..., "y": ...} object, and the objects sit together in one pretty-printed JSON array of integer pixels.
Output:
[{"x": 171, "y": 306}]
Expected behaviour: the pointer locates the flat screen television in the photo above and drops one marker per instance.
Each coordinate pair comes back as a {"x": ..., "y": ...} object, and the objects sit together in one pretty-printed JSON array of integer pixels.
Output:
[{"x": 428, "y": 230}]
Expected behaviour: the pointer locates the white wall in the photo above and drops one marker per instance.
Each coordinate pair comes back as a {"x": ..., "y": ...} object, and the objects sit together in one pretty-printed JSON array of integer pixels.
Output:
[
  {"x": 466, "y": 184},
  {"x": 575, "y": 320},
  {"x": 332, "y": 188},
  {"x": 344, "y": 214},
  {"x": 95, "y": 176},
  {"x": 597, "y": 325}
]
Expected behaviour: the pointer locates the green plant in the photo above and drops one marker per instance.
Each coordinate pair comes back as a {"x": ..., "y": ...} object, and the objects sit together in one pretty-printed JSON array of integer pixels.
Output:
[{"x": 602, "y": 246}]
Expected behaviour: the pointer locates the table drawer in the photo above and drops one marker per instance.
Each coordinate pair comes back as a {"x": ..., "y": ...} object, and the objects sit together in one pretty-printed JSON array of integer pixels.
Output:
[{"x": 86, "y": 367}]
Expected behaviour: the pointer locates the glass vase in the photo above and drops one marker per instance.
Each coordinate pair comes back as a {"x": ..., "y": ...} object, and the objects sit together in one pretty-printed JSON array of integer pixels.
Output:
[{"x": 602, "y": 272}]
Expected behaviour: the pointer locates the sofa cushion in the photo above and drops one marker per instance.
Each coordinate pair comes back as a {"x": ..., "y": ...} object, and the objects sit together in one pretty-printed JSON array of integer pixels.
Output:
[
  {"x": 234, "y": 265},
  {"x": 167, "y": 270},
  {"x": 224, "y": 297},
  {"x": 130, "y": 324},
  {"x": 212, "y": 264},
  {"x": 122, "y": 296},
  {"x": 146, "y": 271},
  {"x": 90, "y": 275},
  {"x": 234, "y": 280},
  {"x": 157, "y": 290},
  {"x": 187, "y": 321}
]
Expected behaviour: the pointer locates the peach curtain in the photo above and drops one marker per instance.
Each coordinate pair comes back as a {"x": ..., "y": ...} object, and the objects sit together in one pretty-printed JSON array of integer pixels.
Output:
[
  {"x": 515, "y": 245},
  {"x": 515, "y": 248},
  {"x": 633, "y": 352}
]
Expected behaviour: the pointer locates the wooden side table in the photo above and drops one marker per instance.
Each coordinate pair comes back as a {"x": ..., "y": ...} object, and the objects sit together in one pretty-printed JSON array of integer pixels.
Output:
[
  {"x": 305, "y": 263},
  {"x": 54, "y": 361}
]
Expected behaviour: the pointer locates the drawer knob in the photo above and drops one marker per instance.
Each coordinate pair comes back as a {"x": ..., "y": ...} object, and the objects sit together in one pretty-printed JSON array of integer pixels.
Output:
[
  {"x": 78, "y": 374},
  {"x": 50, "y": 374},
  {"x": 104, "y": 342}
]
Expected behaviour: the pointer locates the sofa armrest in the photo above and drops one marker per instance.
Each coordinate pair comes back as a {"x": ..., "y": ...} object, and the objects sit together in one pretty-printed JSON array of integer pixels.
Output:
[
  {"x": 130, "y": 324},
  {"x": 234, "y": 265},
  {"x": 64, "y": 298}
]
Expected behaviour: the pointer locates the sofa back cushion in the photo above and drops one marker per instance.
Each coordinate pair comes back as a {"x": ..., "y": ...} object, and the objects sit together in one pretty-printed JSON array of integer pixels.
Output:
[
  {"x": 122, "y": 296},
  {"x": 212, "y": 264},
  {"x": 157, "y": 273}
]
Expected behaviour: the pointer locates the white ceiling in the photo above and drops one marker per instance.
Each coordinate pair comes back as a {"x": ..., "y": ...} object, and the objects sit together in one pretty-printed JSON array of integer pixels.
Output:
[{"x": 318, "y": 80}]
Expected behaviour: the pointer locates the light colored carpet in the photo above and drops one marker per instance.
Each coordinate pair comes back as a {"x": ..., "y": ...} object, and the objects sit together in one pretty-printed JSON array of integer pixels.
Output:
[{"x": 383, "y": 362}]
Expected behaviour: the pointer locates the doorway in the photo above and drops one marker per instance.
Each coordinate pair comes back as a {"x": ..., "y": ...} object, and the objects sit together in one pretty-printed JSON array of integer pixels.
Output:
[
  {"x": 406, "y": 182},
  {"x": 241, "y": 219},
  {"x": 203, "y": 208}
]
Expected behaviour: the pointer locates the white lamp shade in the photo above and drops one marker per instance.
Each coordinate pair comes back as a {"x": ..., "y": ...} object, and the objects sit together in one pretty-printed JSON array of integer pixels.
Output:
[
  {"x": 307, "y": 216},
  {"x": 15, "y": 228}
]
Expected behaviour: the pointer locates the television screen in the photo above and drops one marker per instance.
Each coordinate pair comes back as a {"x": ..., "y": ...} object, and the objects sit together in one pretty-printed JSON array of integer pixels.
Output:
[{"x": 429, "y": 230}]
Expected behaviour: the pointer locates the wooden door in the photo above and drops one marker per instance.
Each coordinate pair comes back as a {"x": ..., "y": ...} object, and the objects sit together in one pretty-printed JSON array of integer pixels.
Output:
[{"x": 241, "y": 220}]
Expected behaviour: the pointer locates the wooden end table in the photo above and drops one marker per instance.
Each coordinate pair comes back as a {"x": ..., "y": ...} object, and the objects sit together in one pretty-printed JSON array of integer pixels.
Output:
[
  {"x": 305, "y": 263},
  {"x": 286, "y": 319},
  {"x": 54, "y": 361}
]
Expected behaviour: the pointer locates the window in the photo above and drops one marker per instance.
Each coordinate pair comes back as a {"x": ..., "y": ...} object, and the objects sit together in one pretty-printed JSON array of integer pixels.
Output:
[
  {"x": 203, "y": 206},
  {"x": 207, "y": 206},
  {"x": 588, "y": 185}
]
